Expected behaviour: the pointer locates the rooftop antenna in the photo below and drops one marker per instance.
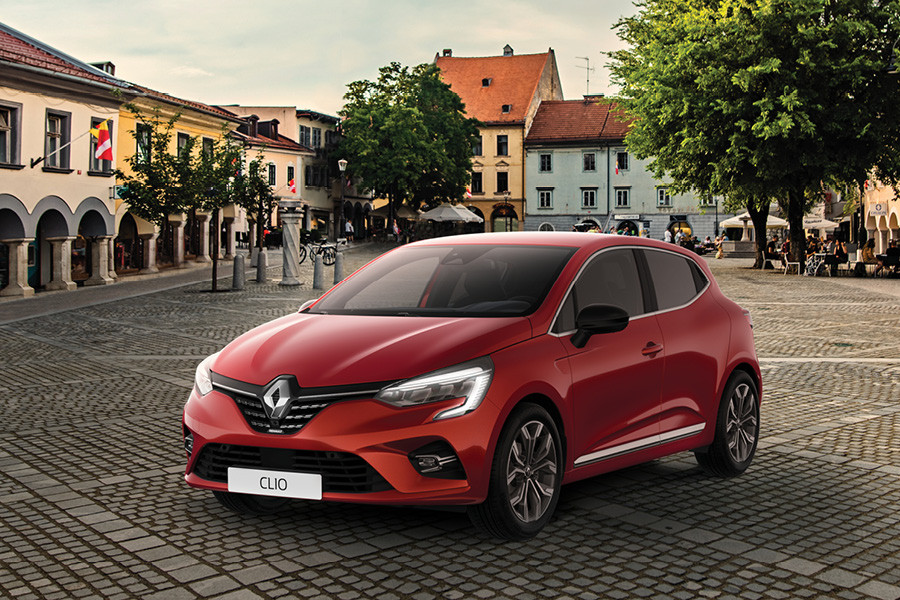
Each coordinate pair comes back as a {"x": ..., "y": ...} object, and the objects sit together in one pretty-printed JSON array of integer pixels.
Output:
[{"x": 587, "y": 68}]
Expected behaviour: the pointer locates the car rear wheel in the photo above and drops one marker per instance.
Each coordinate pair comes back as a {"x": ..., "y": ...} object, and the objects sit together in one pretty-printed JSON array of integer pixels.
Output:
[
  {"x": 526, "y": 475},
  {"x": 737, "y": 429},
  {"x": 248, "y": 504}
]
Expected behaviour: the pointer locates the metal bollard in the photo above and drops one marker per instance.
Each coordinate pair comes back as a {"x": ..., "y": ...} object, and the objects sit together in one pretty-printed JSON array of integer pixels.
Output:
[
  {"x": 339, "y": 267},
  {"x": 317, "y": 273},
  {"x": 261, "y": 265},
  {"x": 237, "y": 280}
]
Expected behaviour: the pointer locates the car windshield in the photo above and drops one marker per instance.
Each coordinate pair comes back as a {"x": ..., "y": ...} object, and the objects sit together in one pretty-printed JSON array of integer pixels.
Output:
[{"x": 466, "y": 280}]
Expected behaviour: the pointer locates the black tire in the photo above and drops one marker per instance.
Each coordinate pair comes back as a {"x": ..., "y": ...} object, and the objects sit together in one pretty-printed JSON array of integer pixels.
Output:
[
  {"x": 518, "y": 507},
  {"x": 248, "y": 504},
  {"x": 328, "y": 256},
  {"x": 302, "y": 255},
  {"x": 737, "y": 429}
]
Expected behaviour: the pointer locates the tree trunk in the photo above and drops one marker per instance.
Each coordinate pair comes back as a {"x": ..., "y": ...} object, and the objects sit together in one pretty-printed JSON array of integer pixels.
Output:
[
  {"x": 215, "y": 254},
  {"x": 760, "y": 216},
  {"x": 795, "y": 222}
]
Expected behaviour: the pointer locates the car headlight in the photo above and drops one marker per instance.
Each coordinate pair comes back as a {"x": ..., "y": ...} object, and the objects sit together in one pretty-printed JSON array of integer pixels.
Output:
[
  {"x": 202, "y": 378},
  {"x": 468, "y": 382}
]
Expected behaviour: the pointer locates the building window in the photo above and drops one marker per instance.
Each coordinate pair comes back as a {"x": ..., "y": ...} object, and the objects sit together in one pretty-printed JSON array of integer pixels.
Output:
[
  {"x": 183, "y": 139},
  {"x": 622, "y": 161},
  {"x": 477, "y": 148},
  {"x": 57, "y": 136},
  {"x": 502, "y": 145},
  {"x": 707, "y": 200},
  {"x": 304, "y": 136},
  {"x": 97, "y": 165},
  {"x": 290, "y": 173},
  {"x": 506, "y": 108},
  {"x": 502, "y": 182},
  {"x": 589, "y": 161},
  {"x": 546, "y": 163},
  {"x": 207, "y": 146},
  {"x": 271, "y": 174},
  {"x": 662, "y": 197},
  {"x": 316, "y": 137},
  {"x": 477, "y": 186},
  {"x": 486, "y": 82},
  {"x": 589, "y": 198},
  {"x": 545, "y": 198},
  {"x": 142, "y": 142},
  {"x": 9, "y": 133},
  {"x": 623, "y": 198},
  {"x": 546, "y": 227}
]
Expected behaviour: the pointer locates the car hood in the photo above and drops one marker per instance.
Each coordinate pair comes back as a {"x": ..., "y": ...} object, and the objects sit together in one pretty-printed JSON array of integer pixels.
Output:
[{"x": 327, "y": 350}]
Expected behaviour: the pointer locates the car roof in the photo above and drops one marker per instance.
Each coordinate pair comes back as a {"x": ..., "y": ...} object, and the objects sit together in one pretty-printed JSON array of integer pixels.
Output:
[{"x": 588, "y": 241}]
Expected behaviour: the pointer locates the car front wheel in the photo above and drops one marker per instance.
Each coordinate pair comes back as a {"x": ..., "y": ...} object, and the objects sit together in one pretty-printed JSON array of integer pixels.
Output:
[
  {"x": 737, "y": 429},
  {"x": 526, "y": 476}
]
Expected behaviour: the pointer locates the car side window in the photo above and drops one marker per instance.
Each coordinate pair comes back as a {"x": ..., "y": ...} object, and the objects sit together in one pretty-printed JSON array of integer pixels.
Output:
[
  {"x": 611, "y": 277},
  {"x": 676, "y": 279}
]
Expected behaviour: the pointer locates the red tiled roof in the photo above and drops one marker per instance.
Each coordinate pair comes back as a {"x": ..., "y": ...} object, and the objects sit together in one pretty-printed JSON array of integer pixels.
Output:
[
  {"x": 281, "y": 143},
  {"x": 213, "y": 110},
  {"x": 578, "y": 120},
  {"x": 513, "y": 80},
  {"x": 18, "y": 50}
]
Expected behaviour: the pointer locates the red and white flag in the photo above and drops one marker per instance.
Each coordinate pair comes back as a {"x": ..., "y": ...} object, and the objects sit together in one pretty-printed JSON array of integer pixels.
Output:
[
  {"x": 468, "y": 192},
  {"x": 292, "y": 186},
  {"x": 104, "y": 142}
]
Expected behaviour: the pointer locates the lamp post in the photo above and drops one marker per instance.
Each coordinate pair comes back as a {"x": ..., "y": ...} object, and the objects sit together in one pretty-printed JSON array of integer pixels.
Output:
[{"x": 342, "y": 166}]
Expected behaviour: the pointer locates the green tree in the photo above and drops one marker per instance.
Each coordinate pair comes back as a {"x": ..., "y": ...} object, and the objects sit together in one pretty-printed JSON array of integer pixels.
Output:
[
  {"x": 212, "y": 179},
  {"x": 252, "y": 192},
  {"x": 406, "y": 136},
  {"x": 160, "y": 182},
  {"x": 762, "y": 99}
]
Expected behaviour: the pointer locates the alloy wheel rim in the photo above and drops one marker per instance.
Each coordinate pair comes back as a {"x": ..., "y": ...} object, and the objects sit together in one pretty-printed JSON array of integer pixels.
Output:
[
  {"x": 741, "y": 424},
  {"x": 531, "y": 471}
]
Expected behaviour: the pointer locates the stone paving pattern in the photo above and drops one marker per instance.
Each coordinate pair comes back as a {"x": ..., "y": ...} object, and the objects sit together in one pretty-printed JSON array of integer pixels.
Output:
[{"x": 93, "y": 505}]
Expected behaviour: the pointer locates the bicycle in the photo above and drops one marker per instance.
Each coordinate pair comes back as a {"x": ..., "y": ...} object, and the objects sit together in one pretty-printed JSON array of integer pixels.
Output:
[{"x": 328, "y": 252}]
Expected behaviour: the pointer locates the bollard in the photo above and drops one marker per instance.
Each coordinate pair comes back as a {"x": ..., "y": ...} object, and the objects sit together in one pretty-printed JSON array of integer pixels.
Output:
[
  {"x": 237, "y": 280},
  {"x": 254, "y": 252},
  {"x": 338, "y": 267},
  {"x": 261, "y": 267},
  {"x": 317, "y": 273}
]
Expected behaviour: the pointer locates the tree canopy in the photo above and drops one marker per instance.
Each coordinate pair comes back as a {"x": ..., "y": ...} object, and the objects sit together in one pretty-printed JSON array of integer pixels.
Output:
[
  {"x": 764, "y": 99},
  {"x": 406, "y": 136}
]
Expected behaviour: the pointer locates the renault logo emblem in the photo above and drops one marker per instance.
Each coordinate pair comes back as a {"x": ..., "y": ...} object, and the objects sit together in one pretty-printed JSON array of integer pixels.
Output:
[{"x": 277, "y": 399}]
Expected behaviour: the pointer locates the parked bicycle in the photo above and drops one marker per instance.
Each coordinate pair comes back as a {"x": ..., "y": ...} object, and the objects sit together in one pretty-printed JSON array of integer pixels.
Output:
[{"x": 328, "y": 251}]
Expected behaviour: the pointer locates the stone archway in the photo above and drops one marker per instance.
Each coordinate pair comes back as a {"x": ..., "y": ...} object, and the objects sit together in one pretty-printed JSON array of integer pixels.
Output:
[
  {"x": 49, "y": 254},
  {"x": 13, "y": 255},
  {"x": 504, "y": 217},
  {"x": 90, "y": 251}
]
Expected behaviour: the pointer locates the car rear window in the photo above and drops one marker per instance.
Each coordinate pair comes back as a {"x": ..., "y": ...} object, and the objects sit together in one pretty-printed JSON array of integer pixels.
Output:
[
  {"x": 676, "y": 279},
  {"x": 465, "y": 280}
]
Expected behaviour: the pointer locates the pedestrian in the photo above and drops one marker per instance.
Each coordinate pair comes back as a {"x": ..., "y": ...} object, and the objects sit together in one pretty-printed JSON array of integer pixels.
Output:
[
  {"x": 667, "y": 237},
  {"x": 348, "y": 231}
]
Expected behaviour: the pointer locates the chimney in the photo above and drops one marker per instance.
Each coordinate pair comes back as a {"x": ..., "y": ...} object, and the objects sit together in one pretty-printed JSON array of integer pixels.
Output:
[
  {"x": 507, "y": 50},
  {"x": 107, "y": 67},
  {"x": 448, "y": 52},
  {"x": 253, "y": 129},
  {"x": 274, "y": 131}
]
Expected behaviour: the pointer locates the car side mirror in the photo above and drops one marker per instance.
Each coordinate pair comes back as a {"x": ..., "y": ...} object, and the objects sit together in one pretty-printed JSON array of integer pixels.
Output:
[
  {"x": 598, "y": 318},
  {"x": 306, "y": 304}
]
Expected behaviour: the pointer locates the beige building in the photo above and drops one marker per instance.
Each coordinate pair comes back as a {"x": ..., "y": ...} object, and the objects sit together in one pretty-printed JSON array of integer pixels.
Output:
[
  {"x": 882, "y": 214},
  {"x": 57, "y": 214},
  {"x": 504, "y": 93}
]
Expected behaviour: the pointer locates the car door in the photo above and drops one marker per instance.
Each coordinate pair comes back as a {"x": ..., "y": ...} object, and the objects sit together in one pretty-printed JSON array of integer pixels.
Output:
[
  {"x": 695, "y": 333},
  {"x": 616, "y": 376}
]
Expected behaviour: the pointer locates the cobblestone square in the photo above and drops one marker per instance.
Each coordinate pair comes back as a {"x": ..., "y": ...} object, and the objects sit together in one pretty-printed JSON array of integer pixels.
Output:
[{"x": 93, "y": 503}]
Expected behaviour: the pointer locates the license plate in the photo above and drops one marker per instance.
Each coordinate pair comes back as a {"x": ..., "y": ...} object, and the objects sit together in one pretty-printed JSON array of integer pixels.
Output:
[{"x": 305, "y": 486}]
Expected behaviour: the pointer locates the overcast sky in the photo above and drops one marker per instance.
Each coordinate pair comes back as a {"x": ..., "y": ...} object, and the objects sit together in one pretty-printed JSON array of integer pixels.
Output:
[{"x": 303, "y": 53}]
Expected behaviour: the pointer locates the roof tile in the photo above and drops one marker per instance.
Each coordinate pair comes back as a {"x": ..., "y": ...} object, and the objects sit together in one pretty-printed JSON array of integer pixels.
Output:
[{"x": 591, "y": 119}]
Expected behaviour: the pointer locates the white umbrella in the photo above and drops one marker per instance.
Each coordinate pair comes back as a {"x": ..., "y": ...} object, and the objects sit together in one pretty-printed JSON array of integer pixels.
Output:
[
  {"x": 772, "y": 222},
  {"x": 467, "y": 214},
  {"x": 448, "y": 212},
  {"x": 813, "y": 222}
]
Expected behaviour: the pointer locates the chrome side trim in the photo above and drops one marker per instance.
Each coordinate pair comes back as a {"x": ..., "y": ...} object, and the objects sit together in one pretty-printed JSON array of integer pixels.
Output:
[{"x": 648, "y": 442}]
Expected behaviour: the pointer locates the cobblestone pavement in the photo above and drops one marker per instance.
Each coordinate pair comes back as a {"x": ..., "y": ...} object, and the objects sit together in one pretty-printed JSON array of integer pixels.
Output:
[{"x": 92, "y": 501}]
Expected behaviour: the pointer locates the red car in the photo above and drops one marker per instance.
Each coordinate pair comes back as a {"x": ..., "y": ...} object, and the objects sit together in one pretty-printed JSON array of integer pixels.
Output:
[{"x": 482, "y": 370}]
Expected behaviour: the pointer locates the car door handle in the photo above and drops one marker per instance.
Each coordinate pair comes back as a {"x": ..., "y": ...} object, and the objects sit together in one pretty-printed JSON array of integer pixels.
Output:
[{"x": 651, "y": 349}]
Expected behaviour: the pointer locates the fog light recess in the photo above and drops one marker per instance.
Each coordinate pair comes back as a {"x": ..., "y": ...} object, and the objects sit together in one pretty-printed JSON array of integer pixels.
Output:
[
  {"x": 188, "y": 441},
  {"x": 437, "y": 460}
]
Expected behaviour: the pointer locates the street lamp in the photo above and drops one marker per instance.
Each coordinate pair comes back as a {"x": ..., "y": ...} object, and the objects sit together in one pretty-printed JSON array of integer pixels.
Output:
[{"x": 342, "y": 166}]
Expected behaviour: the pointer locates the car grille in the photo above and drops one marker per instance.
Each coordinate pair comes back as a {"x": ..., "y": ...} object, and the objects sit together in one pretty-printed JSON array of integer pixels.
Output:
[
  {"x": 306, "y": 403},
  {"x": 341, "y": 472}
]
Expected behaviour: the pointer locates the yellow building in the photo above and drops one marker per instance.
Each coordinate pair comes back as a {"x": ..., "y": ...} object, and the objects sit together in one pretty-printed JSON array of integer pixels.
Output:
[
  {"x": 142, "y": 245},
  {"x": 504, "y": 93}
]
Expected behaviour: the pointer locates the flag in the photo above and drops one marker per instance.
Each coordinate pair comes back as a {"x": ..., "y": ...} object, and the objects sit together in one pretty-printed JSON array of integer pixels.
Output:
[
  {"x": 292, "y": 186},
  {"x": 104, "y": 142},
  {"x": 468, "y": 192},
  {"x": 617, "y": 168}
]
